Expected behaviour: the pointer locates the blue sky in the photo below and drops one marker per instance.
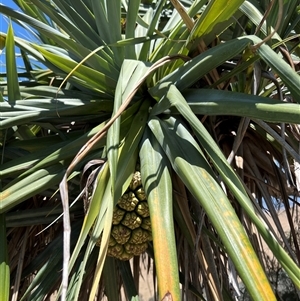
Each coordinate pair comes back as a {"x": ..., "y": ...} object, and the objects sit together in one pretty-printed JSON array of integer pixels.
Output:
[
  {"x": 18, "y": 31},
  {"x": 4, "y": 21},
  {"x": 3, "y": 28}
]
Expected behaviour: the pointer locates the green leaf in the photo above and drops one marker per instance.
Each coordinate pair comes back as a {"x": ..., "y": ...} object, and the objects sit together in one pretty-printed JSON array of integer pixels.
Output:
[
  {"x": 102, "y": 196},
  {"x": 84, "y": 75},
  {"x": 103, "y": 223},
  {"x": 253, "y": 13},
  {"x": 219, "y": 102},
  {"x": 174, "y": 97},
  {"x": 154, "y": 17},
  {"x": 110, "y": 278},
  {"x": 97, "y": 207},
  {"x": 186, "y": 75},
  {"x": 11, "y": 68},
  {"x": 216, "y": 12},
  {"x": 35, "y": 23},
  {"x": 49, "y": 262},
  {"x": 108, "y": 21},
  {"x": 128, "y": 153},
  {"x": 132, "y": 15},
  {"x": 158, "y": 187},
  {"x": 130, "y": 75},
  {"x": 128, "y": 280},
  {"x": 4, "y": 265},
  {"x": 289, "y": 77},
  {"x": 141, "y": 31},
  {"x": 41, "y": 110},
  {"x": 77, "y": 19},
  {"x": 191, "y": 166},
  {"x": 64, "y": 25},
  {"x": 33, "y": 184}
]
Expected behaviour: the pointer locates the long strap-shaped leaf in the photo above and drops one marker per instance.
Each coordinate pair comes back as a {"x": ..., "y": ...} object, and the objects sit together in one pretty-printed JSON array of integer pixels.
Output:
[
  {"x": 192, "y": 167},
  {"x": 229, "y": 177},
  {"x": 289, "y": 77},
  {"x": 131, "y": 73},
  {"x": 158, "y": 187},
  {"x": 127, "y": 154},
  {"x": 35, "y": 183},
  {"x": 186, "y": 75},
  {"x": 81, "y": 154},
  {"x": 4, "y": 266},
  {"x": 216, "y": 12},
  {"x": 12, "y": 74},
  {"x": 219, "y": 102},
  {"x": 106, "y": 222}
]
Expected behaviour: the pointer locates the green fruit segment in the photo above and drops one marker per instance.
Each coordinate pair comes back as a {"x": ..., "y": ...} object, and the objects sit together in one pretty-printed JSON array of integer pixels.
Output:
[
  {"x": 146, "y": 224},
  {"x": 140, "y": 194},
  {"x": 132, "y": 220},
  {"x": 118, "y": 216},
  {"x": 139, "y": 236},
  {"x": 142, "y": 209},
  {"x": 131, "y": 226},
  {"x": 135, "y": 249},
  {"x": 121, "y": 234},
  {"x": 128, "y": 201},
  {"x": 136, "y": 181}
]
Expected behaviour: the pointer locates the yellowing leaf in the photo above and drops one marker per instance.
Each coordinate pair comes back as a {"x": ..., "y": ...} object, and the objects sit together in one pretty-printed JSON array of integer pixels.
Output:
[{"x": 216, "y": 12}]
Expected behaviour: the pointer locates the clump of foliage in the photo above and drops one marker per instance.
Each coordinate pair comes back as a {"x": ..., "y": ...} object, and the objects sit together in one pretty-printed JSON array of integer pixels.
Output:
[{"x": 204, "y": 96}]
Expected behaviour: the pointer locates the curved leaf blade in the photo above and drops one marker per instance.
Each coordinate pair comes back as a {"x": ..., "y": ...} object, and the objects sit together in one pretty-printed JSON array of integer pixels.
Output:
[
  {"x": 158, "y": 187},
  {"x": 173, "y": 97},
  {"x": 186, "y": 75},
  {"x": 289, "y": 77},
  {"x": 219, "y": 102},
  {"x": 84, "y": 75},
  {"x": 215, "y": 13},
  {"x": 11, "y": 68},
  {"x": 130, "y": 75},
  {"x": 33, "y": 184},
  {"x": 4, "y": 265},
  {"x": 192, "y": 167}
]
